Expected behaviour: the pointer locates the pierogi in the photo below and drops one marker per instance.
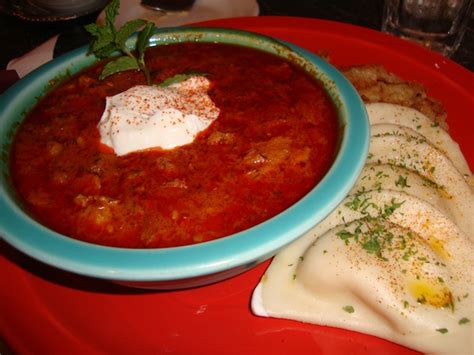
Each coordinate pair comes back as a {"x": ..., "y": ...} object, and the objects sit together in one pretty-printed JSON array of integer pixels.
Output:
[{"x": 396, "y": 258}]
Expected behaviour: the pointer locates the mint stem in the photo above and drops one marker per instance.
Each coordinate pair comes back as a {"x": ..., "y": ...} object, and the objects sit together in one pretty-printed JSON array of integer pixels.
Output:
[
  {"x": 140, "y": 63},
  {"x": 147, "y": 74}
]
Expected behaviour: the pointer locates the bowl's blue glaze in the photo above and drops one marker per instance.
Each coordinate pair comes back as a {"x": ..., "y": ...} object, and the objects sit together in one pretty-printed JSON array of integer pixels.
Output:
[{"x": 201, "y": 263}]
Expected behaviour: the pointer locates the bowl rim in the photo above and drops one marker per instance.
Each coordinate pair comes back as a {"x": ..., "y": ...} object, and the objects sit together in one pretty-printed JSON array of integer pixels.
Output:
[{"x": 248, "y": 247}]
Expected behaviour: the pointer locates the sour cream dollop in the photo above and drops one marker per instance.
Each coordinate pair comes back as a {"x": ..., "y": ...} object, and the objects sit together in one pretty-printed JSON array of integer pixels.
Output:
[{"x": 145, "y": 117}]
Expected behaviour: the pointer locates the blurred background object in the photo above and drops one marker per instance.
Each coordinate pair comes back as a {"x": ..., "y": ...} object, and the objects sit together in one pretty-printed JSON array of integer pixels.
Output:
[
  {"x": 33, "y": 36},
  {"x": 50, "y": 10},
  {"x": 19, "y": 36},
  {"x": 436, "y": 24},
  {"x": 168, "y": 5}
]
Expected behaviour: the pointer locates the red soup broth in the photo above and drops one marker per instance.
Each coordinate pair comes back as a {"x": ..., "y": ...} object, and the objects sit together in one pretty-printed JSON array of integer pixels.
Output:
[{"x": 275, "y": 138}]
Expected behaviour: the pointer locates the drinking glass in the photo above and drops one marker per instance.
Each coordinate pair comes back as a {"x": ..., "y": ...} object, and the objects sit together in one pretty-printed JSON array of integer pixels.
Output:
[{"x": 436, "y": 24}]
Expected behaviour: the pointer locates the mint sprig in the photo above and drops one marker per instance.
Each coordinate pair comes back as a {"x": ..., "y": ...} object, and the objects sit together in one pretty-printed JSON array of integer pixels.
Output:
[
  {"x": 178, "y": 78},
  {"x": 108, "y": 39}
]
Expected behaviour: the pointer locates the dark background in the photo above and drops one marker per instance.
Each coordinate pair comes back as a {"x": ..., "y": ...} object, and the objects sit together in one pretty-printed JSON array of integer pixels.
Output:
[{"x": 19, "y": 36}]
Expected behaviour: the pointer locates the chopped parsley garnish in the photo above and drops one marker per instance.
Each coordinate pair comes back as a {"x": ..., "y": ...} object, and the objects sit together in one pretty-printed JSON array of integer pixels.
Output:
[
  {"x": 402, "y": 182},
  {"x": 371, "y": 231},
  {"x": 463, "y": 321},
  {"x": 372, "y": 246},
  {"x": 422, "y": 299},
  {"x": 348, "y": 309},
  {"x": 429, "y": 183},
  {"x": 409, "y": 253},
  {"x": 389, "y": 209},
  {"x": 345, "y": 235},
  {"x": 442, "y": 330}
]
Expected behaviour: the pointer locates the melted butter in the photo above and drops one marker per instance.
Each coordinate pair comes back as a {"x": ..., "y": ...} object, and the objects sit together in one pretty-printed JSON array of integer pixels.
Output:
[
  {"x": 437, "y": 246},
  {"x": 445, "y": 194},
  {"x": 428, "y": 292}
]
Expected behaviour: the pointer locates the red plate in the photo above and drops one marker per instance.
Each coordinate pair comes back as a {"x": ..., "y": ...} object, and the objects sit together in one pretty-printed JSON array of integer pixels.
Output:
[{"x": 44, "y": 310}]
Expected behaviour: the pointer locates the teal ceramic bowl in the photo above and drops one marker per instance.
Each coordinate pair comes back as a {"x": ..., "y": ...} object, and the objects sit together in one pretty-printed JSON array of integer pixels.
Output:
[{"x": 199, "y": 264}]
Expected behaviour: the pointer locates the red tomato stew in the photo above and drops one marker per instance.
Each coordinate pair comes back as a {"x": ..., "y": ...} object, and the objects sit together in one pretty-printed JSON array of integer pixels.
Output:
[{"x": 275, "y": 138}]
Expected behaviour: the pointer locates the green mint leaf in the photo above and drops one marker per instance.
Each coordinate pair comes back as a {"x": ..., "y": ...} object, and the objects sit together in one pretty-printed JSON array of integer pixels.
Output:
[
  {"x": 109, "y": 40},
  {"x": 105, "y": 39},
  {"x": 127, "y": 30},
  {"x": 105, "y": 51},
  {"x": 178, "y": 78},
  {"x": 118, "y": 65},
  {"x": 93, "y": 29},
  {"x": 142, "y": 41},
  {"x": 348, "y": 309},
  {"x": 105, "y": 34},
  {"x": 111, "y": 12}
]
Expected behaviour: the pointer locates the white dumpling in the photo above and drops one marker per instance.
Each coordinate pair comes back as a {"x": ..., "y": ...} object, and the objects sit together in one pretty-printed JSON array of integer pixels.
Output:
[
  {"x": 383, "y": 113},
  {"x": 430, "y": 163},
  {"x": 396, "y": 258},
  {"x": 414, "y": 290}
]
